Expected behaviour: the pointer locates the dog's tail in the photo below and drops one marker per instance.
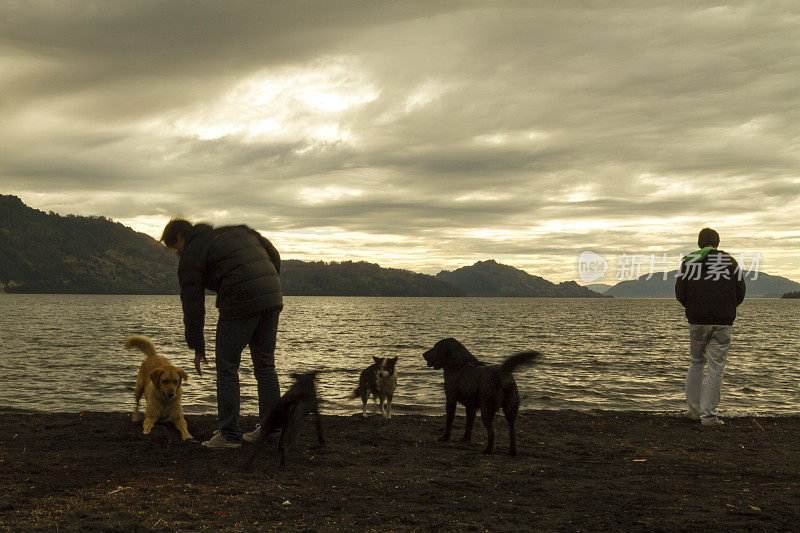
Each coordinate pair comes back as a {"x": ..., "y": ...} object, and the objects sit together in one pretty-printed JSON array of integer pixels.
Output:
[
  {"x": 142, "y": 343},
  {"x": 522, "y": 358},
  {"x": 356, "y": 393}
]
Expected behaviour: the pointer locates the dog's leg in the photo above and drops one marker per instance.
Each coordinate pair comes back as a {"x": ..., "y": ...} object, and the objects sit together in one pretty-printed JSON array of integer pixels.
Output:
[
  {"x": 319, "y": 429},
  {"x": 512, "y": 436},
  {"x": 389, "y": 407},
  {"x": 487, "y": 417},
  {"x": 257, "y": 448},
  {"x": 291, "y": 431},
  {"x": 451, "y": 414},
  {"x": 383, "y": 411},
  {"x": 510, "y": 409},
  {"x": 180, "y": 423},
  {"x": 282, "y": 448},
  {"x": 151, "y": 416},
  {"x": 138, "y": 392},
  {"x": 470, "y": 421},
  {"x": 364, "y": 397}
]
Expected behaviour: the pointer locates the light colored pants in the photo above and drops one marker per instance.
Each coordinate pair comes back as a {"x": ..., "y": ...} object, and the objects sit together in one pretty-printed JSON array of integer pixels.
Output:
[{"x": 708, "y": 345}]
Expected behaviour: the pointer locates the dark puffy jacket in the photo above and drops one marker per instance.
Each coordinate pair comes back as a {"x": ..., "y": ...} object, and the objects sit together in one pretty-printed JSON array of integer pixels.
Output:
[
  {"x": 236, "y": 263},
  {"x": 710, "y": 289}
]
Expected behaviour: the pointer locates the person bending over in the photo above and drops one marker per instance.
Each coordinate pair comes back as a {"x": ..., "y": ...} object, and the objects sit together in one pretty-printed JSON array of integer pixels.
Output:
[{"x": 242, "y": 268}]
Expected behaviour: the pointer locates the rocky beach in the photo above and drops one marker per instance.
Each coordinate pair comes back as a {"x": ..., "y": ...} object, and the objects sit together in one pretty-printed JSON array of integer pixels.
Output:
[{"x": 576, "y": 471}]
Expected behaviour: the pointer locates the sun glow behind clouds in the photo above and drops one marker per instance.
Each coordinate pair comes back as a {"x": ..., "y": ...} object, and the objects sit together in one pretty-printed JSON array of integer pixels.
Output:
[
  {"x": 481, "y": 196},
  {"x": 321, "y": 195},
  {"x": 292, "y": 104},
  {"x": 519, "y": 139},
  {"x": 425, "y": 94}
]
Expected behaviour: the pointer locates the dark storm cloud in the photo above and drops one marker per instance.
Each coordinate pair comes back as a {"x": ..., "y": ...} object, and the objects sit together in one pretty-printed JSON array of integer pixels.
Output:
[{"x": 416, "y": 134}]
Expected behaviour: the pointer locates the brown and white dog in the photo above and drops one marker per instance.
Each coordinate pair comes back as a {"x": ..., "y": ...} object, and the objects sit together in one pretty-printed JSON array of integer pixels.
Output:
[
  {"x": 380, "y": 379},
  {"x": 160, "y": 383}
]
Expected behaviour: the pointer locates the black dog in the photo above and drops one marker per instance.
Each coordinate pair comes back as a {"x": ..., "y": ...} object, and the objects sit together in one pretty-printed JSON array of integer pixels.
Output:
[
  {"x": 289, "y": 413},
  {"x": 478, "y": 386},
  {"x": 380, "y": 379}
]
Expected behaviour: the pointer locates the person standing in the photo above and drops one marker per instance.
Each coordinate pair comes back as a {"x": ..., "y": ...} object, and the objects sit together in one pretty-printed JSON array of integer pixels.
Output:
[
  {"x": 242, "y": 268},
  {"x": 710, "y": 287}
]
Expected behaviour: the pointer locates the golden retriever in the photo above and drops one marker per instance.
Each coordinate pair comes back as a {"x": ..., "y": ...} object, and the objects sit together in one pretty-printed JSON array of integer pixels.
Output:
[{"x": 160, "y": 383}]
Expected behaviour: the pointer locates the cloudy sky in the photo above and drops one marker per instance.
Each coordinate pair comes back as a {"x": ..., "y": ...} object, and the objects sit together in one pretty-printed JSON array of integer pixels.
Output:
[{"x": 420, "y": 135}]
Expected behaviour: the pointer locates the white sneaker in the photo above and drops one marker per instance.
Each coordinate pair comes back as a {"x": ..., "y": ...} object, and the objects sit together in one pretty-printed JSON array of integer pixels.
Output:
[
  {"x": 715, "y": 422},
  {"x": 218, "y": 441},
  {"x": 257, "y": 435}
]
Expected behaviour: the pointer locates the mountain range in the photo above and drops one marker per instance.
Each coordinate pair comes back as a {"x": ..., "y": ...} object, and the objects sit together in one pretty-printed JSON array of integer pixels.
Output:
[
  {"x": 759, "y": 285},
  {"x": 490, "y": 278},
  {"x": 49, "y": 253}
]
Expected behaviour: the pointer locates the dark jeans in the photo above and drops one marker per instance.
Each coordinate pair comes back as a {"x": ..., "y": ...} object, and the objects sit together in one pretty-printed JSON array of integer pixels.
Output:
[{"x": 260, "y": 333}]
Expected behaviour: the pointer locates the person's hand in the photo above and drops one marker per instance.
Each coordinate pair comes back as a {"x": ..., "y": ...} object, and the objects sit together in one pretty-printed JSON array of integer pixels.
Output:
[{"x": 199, "y": 355}]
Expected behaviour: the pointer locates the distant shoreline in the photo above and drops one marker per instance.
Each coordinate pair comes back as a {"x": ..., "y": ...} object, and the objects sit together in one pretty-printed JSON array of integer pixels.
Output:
[{"x": 372, "y": 296}]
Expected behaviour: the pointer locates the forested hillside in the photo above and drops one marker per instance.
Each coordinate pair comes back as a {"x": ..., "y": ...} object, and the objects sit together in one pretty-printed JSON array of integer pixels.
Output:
[
  {"x": 348, "y": 278},
  {"x": 49, "y": 253}
]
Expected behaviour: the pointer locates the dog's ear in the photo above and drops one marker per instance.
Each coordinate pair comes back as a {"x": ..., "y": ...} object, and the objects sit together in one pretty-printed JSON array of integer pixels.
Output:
[
  {"x": 184, "y": 376},
  {"x": 155, "y": 375},
  {"x": 393, "y": 359},
  {"x": 295, "y": 376},
  {"x": 459, "y": 353},
  {"x": 376, "y": 359}
]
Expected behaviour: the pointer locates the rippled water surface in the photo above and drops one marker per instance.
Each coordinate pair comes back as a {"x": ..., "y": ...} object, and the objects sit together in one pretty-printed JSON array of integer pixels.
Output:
[{"x": 64, "y": 352}]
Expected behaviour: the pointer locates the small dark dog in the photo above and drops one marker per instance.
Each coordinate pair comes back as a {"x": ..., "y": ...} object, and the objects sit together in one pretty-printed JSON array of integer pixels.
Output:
[
  {"x": 478, "y": 386},
  {"x": 380, "y": 379},
  {"x": 289, "y": 413}
]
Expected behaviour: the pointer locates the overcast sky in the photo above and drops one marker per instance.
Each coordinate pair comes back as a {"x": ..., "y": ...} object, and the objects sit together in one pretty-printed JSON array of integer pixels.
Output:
[{"x": 421, "y": 135}]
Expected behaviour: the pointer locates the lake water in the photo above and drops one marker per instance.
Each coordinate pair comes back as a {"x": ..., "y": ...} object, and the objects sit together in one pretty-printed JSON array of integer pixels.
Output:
[{"x": 64, "y": 352}]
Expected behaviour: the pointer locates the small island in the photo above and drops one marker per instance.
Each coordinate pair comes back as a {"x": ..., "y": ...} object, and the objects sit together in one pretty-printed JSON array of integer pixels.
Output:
[{"x": 795, "y": 294}]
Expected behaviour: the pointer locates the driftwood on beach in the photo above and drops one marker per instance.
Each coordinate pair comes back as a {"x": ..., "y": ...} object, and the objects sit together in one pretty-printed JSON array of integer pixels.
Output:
[{"x": 575, "y": 471}]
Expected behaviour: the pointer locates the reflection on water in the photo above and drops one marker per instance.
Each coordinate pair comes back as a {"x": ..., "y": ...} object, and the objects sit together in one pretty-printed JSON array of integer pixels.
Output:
[{"x": 64, "y": 352}]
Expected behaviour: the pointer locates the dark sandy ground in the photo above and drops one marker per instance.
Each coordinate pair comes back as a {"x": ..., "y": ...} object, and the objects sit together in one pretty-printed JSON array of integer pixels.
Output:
[{"x": 575, "y": 471}]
